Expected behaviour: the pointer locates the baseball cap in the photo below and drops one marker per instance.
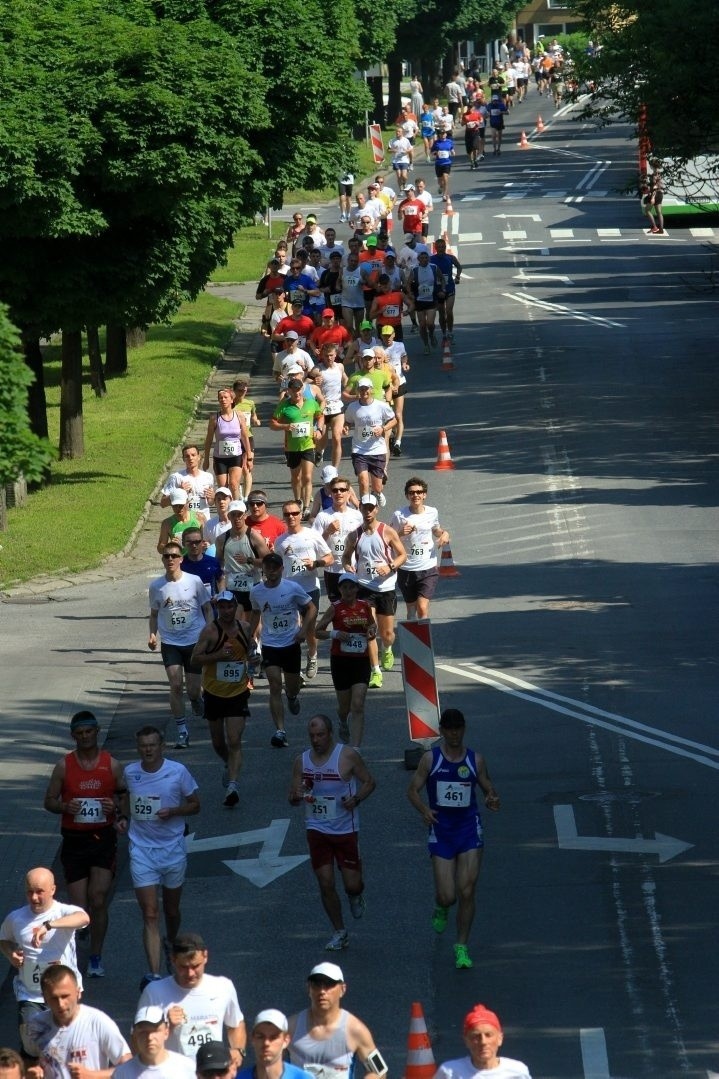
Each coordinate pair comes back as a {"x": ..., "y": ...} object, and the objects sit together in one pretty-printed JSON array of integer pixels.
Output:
[
  {"x": 223, "y": 491},
  {"x": 329, "y": 472},
  {"x": 292, "y": 335},
  {"x": 273, "y": 559},
  {"x": 368, "y": 353},
  {"x": 368, "y": 500},
  {"x": 373, "y": 186},
  {"x": 297, "y": 302},
  {"x": 292, "y": 368},
  {"x": 366, "y": 325},
  {"x": 371, "y": 241},
  {"x": 328, "y": 313},
  {"x": 237, "y": 506},
  {"x": 311, "y": 217},
  {"x": 409, "y": 187},
  {"x": 225, "y": 597},
  {"x": 153, "y": 1014},
  {"x": 279, "y": 289},
  {"x": 178, "y": 497},
  {"x": 213, "y": 1057},
  {"x": 295, "y": 384},
  {"x": 327, "y": 970},
  {"x": 366, "y": 382},
  {"x": 387, "y": 330},
  {"x": 351, "y": 577},
  {"x": 83, "y": 719},
  {"x": 335, "y": 254},
  {"x": 390, "y": 253},
  {"x": 274, "y": 1016}
]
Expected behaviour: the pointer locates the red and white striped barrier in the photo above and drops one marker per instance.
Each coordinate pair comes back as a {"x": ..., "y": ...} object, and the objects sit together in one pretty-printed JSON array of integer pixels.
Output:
[
  {"x": 375, "y": 136},
  {"x": 420, "y": 682}
]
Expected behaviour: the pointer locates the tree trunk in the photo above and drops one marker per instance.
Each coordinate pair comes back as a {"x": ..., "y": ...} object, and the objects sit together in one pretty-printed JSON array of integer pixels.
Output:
[
  {"x": 374, "y": 84},
  {"x": 97, "y": 374},
  {"x": 115, "y": 350},
  {"x": 394, "y": 79},
  {"x": 36, "y": 403},
  {"x": 136, "y": 336},
  {"x": 72, "y": 442},
  {"x": 3, "y": 510}
]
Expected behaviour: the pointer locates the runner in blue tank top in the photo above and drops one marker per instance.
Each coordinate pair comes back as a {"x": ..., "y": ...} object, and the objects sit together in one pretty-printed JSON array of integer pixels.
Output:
[{"x": 451, "y": 773}]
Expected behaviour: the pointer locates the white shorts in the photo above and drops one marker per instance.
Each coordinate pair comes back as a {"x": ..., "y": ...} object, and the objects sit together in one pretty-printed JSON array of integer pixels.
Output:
[{"x": 158, "y": 865}]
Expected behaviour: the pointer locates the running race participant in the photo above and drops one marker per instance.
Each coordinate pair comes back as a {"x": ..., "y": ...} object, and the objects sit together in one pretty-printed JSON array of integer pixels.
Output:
[
  {"x": 353, "y": 626},
  {"x": 334, "y": 524},
  {"x": 418, "y": 527},
  {"x": 327, "y": 1039}
]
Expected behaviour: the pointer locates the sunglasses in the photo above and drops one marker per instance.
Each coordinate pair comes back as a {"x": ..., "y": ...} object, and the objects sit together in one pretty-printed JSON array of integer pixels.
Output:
[
  {"x": 172, "y": 556},
  {"x": 291, "y": 513},
  {"x": 339, "y": 490}
]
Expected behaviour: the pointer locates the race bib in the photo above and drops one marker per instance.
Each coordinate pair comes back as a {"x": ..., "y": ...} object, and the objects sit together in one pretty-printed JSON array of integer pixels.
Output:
[
  {"x": 416, "y": 552},
  {"x": 228, "y": 448},
  {"x": 366, "y": 433},
  {"x": 443, "y": 155},
  {"x": 425, "y": 290},
  {"x": 194, "y": 502},
  {"x": 370, "y": 569},
  {"x": 231, "y": 671},
  {"x": 338, "y": 545},
  {"x": 391, "y": 310},
  {"x": 322, "y": 808},
  {"x": 300, "y": 430},
  {"x": 453, "y": 795},
  {"x": 90, "y": 812},
  {"x": 278, "y": 623},
  {"x": 297, "y": 567},
  {"x": 335, "y": 299},
  {"x": 145, "y": 806},
  {"x": 178, "y": 619},
  {"x": 333, "y": 408},
  {"x": 30, "y": 974},
  {"x": 239, "y": 582},
  {"x": 195, "y": 1033},
  {"x": 356, "y": 644}
]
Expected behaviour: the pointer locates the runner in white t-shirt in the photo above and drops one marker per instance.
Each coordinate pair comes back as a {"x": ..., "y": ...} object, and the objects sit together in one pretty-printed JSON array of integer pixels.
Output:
[
  {"x": 418, "y": 527},
  {"x": 483, "y": 1036},
  {"x": 152, "y": 1059},
  {"x": 200, "y": 1007},
  {"x": 288, "y": 615},
  {"x": 160, "y": 795}
]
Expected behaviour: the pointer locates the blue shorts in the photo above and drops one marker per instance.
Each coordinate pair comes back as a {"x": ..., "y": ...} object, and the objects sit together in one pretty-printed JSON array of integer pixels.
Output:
[{"x": 448, "y": 842}]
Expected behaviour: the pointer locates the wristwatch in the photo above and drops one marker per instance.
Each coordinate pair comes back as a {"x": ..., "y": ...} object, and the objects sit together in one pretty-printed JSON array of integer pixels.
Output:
[{"x": 48, "y": 925}]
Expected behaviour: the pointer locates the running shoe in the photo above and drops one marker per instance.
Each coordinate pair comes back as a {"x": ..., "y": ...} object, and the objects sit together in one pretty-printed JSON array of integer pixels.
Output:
[
  {"x": 338, "y": 941},
  {"x": 375, "y": 680},
  {"x": 439, "y": 919},
  {"x": 183, "y": 738},
  {"x": 311, "y": 667},
  {"x": 293, "y": 703},
  {"x": 232, "y": 798},
  {"x": 95, "y": 968},
  {"x": 279, "y": 738},
  {"x": 358, "y": 905},
  {"x": 382, "y": 498},
  {"x": 387, "y": 660},
  {"x": 461, "y": 957},
  {"x": 397, "y": 449}
]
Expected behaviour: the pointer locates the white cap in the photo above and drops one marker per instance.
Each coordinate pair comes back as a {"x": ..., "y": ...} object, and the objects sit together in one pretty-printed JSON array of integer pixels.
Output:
[
  {"x": 274, "y": 1016},
  {"x": 327, "y": 970},
  {"x": 223, "y": 491},
  {"x": 329, "y": 472},
  {"x": 365, "y": 382},
  {"x": 178, "y": 497},
  {"x": 238, "y": 506},
  {"x": 153, "y": 1014},
  {"x": 368, "y": 352},
  {"x": 226, "y": 596},
  {"x": 368, "y": 500}
]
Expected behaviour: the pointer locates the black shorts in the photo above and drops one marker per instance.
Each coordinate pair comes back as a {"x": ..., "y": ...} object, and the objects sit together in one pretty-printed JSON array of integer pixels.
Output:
[
  {"x": 425, "y": 305},
  {"x": 178, "y": 655},
  {"x": 415, "y": 583},
  {"x": 332, "y": 587},
  {"x": 442, "y": 170},
  {"x": 373, "y": 463},
  {"x": 82, "y": 851},
  {"x": 221, "y": 707},
  {"x": 243, "y": 599},
  {"x": 345, "y": 189},
  {"x": 224, "y": 464},
  {"x": 381, "y": 602},
  {"x": 400, "y": 391},
  {"x": 288, "y": 659},
  {"x": 295, "y": 457},
  {"x": 348, "y": 671}
]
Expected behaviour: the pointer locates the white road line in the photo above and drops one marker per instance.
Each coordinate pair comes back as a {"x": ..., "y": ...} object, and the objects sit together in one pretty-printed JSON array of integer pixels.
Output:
[
  {"x": 471, "y": 237},
  {"x": 561, "y": 234},
  {"x": 560, "y": 309},
  {"x": 629, "y": 728},
  {"x": 606, "y": 233},
  {"x": 595, "y": 1061},
  {"x": 515, "y": 234},
  {"x": 532, "y": 276},
  {"x": 664, "y": 847},
  {"x": 699, "y": 234},
  {"x": 503, "y": 217}
]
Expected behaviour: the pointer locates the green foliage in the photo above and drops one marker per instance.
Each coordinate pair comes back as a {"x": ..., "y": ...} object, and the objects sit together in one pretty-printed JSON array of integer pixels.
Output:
[
  {"x": 646, "y": 49},
  {"x": 427, "y": 28},
  {"x": 21, "y": 452}
]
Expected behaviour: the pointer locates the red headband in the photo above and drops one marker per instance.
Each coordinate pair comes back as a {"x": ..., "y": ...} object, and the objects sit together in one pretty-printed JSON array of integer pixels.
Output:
[{"x": 480, "y": 1014}]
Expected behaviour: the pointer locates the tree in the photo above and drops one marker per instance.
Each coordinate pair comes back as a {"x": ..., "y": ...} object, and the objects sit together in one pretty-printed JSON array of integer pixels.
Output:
[
  {"x": 649, "y": 58},
  {"x": 21, "y": 452}
]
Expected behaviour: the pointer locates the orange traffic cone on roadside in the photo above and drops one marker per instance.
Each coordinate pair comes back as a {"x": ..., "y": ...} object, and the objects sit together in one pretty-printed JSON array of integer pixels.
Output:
[
  {"x": 523, "y": 143},
  {"x": 444, "y": 457},
  {"x": 540, "y": 125},
  {"x": 447, "y": 567},
  {"x": 447, "y": 361},
  {"x": 420, "y": 1058}
]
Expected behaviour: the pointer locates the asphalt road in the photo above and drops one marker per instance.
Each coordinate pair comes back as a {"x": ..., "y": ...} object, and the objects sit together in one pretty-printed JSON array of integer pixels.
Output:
[{"x": 580, "y": 640}]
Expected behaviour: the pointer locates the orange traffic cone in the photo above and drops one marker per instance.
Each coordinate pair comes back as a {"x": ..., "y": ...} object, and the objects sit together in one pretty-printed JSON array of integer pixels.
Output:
[
  {"x": 420, "y": 1058},
  {"x": 447, "y": 567},
  {"x": 523, "y": 143},
  {"x": 540, "y": 125},
  {"x": 444, "y": 458},
  {"x": 447, "y": 361}
]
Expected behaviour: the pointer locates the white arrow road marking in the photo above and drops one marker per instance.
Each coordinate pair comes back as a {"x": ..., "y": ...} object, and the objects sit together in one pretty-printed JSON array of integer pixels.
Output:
[
  {"x": 587, "y": 713},
  {"x": 527, "y": 277},
  {"x": 560, "y": 309},
  {"x": 595, "y": 1061},
  {"x": 269, "y": 864},
  {"x": 665, "y": 846},
  {"x": 504, "y": 217}
]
